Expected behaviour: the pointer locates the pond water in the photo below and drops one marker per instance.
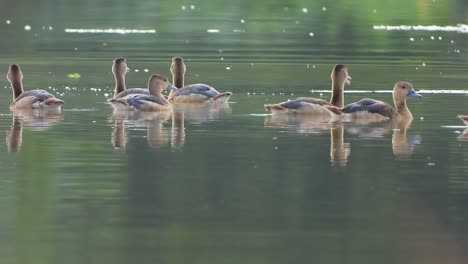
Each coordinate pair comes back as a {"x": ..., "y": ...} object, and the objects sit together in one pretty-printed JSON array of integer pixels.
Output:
[{"x": 234, "y": 184}]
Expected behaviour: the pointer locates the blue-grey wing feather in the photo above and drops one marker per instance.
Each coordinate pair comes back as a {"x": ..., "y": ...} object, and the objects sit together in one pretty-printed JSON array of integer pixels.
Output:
[
  {"x": 137, "y": 100},
  {"x": 201, "y": 89},
  {"x": 299, "y": 102},
  {"x": 40, "y": 95},
  {"x": 371, "y": 106},
  {"x": 312, "y": 100},
  {"x": 131, "y": 91}
]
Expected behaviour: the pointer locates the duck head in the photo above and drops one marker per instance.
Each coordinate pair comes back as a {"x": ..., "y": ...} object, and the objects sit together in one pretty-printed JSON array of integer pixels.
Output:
[
  {"x": 15, "y": 77},
  {"x": 178, "y": 71},
  {"x": 157, "y": 83},
  {"x": 120, "y": 66},
  {"x": 403, "y": 90},
  {"x": 340, "y": 74},
  {"x": 14, "y": 73}
]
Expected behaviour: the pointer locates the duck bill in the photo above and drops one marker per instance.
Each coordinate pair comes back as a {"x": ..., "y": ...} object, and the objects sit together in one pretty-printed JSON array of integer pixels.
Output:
[
  {"x": 348, "y": 80},
  {"x": 171, "y": 87},
  {"x": 413, "y": 93}
]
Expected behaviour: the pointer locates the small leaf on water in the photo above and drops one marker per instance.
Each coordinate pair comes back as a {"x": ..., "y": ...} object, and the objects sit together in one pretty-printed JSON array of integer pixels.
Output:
[{"x": 74, "y": 75}]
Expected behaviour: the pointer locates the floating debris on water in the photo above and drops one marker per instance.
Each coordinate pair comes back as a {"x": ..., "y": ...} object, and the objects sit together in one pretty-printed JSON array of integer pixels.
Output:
[
  {"x": 27, "y": 27},
  {"x": 228, "y": 68},
  {"x": 305, "y": 10},
  {"x": 110, "y": 31},
  {"x": 213, "y": 30},
  {"x": 324, "y": 9},
  {"x": 8, "y": 22},
  {"x": 311, "y": 34}
]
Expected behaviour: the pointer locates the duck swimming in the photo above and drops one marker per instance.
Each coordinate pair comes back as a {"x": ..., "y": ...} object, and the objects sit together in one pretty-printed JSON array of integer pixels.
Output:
[
  {"x": 464, "y": 118},
  {"x": 34, "y": 99},
  {"x": 375, "y": 111},
  {"x": 314, "y": 106},
  {"x": 120, "y": 69},
  {"x": 193, "y": 93},
  {"x": 154, "y": 101}
]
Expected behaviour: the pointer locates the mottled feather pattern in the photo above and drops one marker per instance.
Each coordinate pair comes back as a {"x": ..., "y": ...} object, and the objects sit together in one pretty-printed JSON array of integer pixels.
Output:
[
  {"x": 201, "y": 89},
  {"x": 40, "y": 95},
  {"x": 131, "y": 91},
  {"x": 138, "y": 100},
  {"x": 371, "y": 106}
]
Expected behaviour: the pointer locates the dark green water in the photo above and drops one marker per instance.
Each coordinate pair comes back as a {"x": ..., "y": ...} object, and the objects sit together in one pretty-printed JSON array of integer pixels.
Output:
[{"x": 232, "y": 185}]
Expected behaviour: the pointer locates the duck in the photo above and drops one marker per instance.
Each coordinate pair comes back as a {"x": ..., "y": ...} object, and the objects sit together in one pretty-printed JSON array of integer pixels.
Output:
[
  {"x": 194, "y": 93},
  {"x": 314, "y": 106},
  {"x": 120, "y": 69},
  {"x": 152, "y": 102},
  {"x": 464, "y": 118},
  {"x": 370, "y": 110},
  {"x": 34, "y": 99}
]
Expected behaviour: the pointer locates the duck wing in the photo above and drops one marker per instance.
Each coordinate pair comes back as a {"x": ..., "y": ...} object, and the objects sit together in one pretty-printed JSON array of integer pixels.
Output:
[
  {"x": 131, "y": 91},
  {"x": 39, "y": 95},
  {"x": 198, "y": 88},
  {"x": 371, "y": 106}
]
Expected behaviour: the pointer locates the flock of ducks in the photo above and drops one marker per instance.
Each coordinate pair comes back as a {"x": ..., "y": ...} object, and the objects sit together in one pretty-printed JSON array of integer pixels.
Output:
[
  {"x": 152, "y": 99},
  {"x": 200, "y": 101}
]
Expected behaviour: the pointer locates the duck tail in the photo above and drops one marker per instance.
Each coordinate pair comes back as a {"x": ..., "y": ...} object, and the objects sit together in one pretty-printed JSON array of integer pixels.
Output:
[
  {"x": 53, "y": 101},
  {"x": 274, "y": 107},
  {"x": 222, "y": 97},
  {"x": 464, "y": 118},
  {"x": 117, "y": 101}
]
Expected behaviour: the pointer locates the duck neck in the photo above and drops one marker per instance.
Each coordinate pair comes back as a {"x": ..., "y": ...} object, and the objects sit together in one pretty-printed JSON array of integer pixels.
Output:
[
  {"x": 17, "y": 87},
  {"x": 156, "y": 92},
  {"x": 119, "y": 84},
  {"x": 337, "y": 98},
  {"x": 402, "y": 108},
  {"x": 177, "y": 81}
]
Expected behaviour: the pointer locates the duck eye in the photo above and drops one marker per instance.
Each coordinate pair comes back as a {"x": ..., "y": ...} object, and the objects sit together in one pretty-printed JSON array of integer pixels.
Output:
[{"x": 404, "y": 87}]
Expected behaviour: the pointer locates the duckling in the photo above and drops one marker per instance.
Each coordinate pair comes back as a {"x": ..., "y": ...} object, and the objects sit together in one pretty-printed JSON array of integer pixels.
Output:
[
  {"x": 154, "y": 101},
  {"x": 370, "y": 110},
  {"x": 314, "y": 106},
  {"x": 193, "y": 93},
  {"x": 34, "y": 99},
  {"x": 120, "y": 69}
]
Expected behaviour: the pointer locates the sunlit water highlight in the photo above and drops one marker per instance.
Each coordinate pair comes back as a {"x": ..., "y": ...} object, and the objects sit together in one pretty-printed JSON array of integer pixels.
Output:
[
  {"x": 460, "y": 28},
  {"x": 391, "y": 91},
  {"x": 110, "y": 31}
]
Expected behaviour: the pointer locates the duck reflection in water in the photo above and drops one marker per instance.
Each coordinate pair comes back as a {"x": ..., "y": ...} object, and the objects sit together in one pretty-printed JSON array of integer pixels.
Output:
[
  {"x": 33, "y": 119},
  {"x": 200, "y": 114},
  {"x": 157, "y": 134},
  {"x": 303, "y": 124},
  {"x": 403, "y": 145}
]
